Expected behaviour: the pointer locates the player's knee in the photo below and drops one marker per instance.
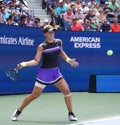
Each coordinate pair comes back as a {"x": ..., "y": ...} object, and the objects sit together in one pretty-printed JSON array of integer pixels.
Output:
[
  {"x": 67, "y": 95},
  {"x": 66, "y": 92},
  {"x": 34, "y": 96}
]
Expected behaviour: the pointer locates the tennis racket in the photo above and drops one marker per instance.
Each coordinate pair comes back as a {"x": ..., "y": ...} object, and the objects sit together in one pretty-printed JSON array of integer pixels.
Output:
[{"x": 12, "y": 74}]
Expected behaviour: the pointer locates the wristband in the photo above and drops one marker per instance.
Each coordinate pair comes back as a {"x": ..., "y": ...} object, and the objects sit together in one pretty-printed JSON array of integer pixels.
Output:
[
  {"x": 68, "y": 60},
  {"x": 23, "y": 64}
]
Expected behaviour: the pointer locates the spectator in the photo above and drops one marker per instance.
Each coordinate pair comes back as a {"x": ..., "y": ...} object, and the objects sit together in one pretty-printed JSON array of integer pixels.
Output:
[
  {"x": 106, "y": 8},
  {"x": 91, "y": 4},
  {"x": 68, "y": 16},
  {"x": 12, "y": 2},
  {"x": 118, "y": 14},
  {"x": 102, "y": 2},
  {"x": 86, "y": 25},
  {"x": 44, "y": 4},
  {"x": 79, "y": 16},
  {"x": 16, "y": 15},
  {"x": 1, "y": 16},
  {"x": 115, "y": 27},
  {"x": 22, "y": 21},
  {"x": 67, "y": 3},
  {"x": 90, "y": 14},
  {"x": 46, "y": 22},
  {"x": 15, "y": 12},
  {"x": 30, "y": 22},
  {"x": 73, "y": 7},
  {"x": 37, "y": 22},
  {"x": 101, "y": 16},
  {"x": 94, "y": 24},
  {"x": 84, "y": 9},
  {"x": 2, "y": 4},
  {"x": 59, "y": 11},
  {"x": 109, "y": 12},
  {"x": 51, "y": 6},
  {"x": 22, "y": 3},
  {"x": 76, "y": 26},
  {"x": 20, "y": 9},
  {"x": 10, "y": 21},
  {"x": 12, "y": 8},
  {"x": 5, "y": 13},
  {"x": 77, "y": 4},
  {"x": 113, "y": 5},
  {"x": 105, "y": 26},
  {"x": 97, "y": 8},
  {"x": 54, "y": 25}
]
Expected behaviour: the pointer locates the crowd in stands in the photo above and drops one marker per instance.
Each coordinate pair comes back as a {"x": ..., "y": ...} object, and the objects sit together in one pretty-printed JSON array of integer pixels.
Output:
[
  {"x": 84, "y": 15},
  {"x": 17, "y": 12},
  {"x": 74, "y": 15}
]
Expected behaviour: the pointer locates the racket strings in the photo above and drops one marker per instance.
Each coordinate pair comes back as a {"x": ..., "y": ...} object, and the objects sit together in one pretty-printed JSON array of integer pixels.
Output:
[{"x": 12, "y": 74}]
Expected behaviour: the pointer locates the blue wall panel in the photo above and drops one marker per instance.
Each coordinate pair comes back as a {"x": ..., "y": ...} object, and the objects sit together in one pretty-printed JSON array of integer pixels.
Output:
[{"x": 19, "y": 44}]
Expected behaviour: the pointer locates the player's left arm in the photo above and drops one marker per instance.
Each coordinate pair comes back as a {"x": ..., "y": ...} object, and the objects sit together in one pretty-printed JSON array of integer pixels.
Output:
[{"x": 72, "y": 61}]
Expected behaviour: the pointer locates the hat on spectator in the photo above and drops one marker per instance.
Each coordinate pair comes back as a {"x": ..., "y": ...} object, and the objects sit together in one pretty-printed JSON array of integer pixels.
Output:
[
  {"x": 46, "y": 20},
  {"x": 72, "y": 3},
  {"x": 106, "y": 3},
  {"x": 83, "y": 3},
  {"x": 48, "y": 28},
  {"x": 61, "y": 1}
]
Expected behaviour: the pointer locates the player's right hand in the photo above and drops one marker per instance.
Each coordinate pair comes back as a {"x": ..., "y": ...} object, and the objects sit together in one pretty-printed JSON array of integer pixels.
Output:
[{"x": 19, "y": 66}]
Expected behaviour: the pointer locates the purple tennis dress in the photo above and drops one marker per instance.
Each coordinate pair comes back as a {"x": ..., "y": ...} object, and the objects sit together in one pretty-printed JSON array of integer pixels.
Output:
[{"x": 49, "y": 72}]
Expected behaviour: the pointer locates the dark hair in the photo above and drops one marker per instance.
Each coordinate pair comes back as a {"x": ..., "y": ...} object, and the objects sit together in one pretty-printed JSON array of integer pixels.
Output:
[
  {"x": 52, "y": 21},
  {"x": 47, "y": 28},
  {"x": 23, "y": 3},
  {"x": 22, "y": 17}
]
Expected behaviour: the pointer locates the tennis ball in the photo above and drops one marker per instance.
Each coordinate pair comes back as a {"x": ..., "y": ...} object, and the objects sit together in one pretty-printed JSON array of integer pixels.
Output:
[{"x": 109, "y": 52}]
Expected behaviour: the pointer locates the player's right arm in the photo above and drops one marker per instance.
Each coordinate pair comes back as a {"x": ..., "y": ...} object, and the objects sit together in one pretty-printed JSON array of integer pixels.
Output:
[{"x": 33, "y": 62}]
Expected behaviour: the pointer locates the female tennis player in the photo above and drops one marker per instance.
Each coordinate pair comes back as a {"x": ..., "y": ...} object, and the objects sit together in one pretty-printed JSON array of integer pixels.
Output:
[{"x": 48, "y": 73}]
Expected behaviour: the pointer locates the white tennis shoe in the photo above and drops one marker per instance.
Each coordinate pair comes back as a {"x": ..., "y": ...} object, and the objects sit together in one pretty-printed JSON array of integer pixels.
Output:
[
  {"x": 15, "y": 115},
  {"x": 72, "y": 117}
]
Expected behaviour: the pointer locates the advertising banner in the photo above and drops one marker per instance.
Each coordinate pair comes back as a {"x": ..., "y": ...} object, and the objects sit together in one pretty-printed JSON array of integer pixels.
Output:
[{"x": 19, "y": 44}]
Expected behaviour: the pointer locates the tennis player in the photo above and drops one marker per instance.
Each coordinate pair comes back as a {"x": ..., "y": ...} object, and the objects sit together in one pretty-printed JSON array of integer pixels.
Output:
[{"x": 48, "y": 73}]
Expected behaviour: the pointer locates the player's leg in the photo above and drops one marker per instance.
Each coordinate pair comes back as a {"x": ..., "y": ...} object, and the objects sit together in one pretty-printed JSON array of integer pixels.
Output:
[
  {"x": 38, "y": 88},
  {"x": 35, "y": 94},
  {"x": 64, "y": 88}
]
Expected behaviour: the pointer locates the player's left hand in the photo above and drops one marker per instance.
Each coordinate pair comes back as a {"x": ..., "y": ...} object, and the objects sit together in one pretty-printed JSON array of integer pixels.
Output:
[{"x": 73, "y": 63}]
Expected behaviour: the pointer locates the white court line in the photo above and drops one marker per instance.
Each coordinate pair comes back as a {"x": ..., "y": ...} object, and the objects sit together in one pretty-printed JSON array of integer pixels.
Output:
[{"x": 105, "y": 121}]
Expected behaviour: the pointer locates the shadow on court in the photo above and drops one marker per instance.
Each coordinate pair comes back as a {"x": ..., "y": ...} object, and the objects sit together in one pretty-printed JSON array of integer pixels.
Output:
[{"x": 43, "y": 122}]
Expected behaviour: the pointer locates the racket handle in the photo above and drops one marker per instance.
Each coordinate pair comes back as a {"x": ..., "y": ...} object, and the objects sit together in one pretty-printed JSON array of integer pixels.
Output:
[{"x": 16, "y": 70}]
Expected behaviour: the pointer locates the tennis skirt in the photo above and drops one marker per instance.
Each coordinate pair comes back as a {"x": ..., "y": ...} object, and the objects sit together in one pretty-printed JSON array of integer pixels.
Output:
[{"x": 48, "y": 76}]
